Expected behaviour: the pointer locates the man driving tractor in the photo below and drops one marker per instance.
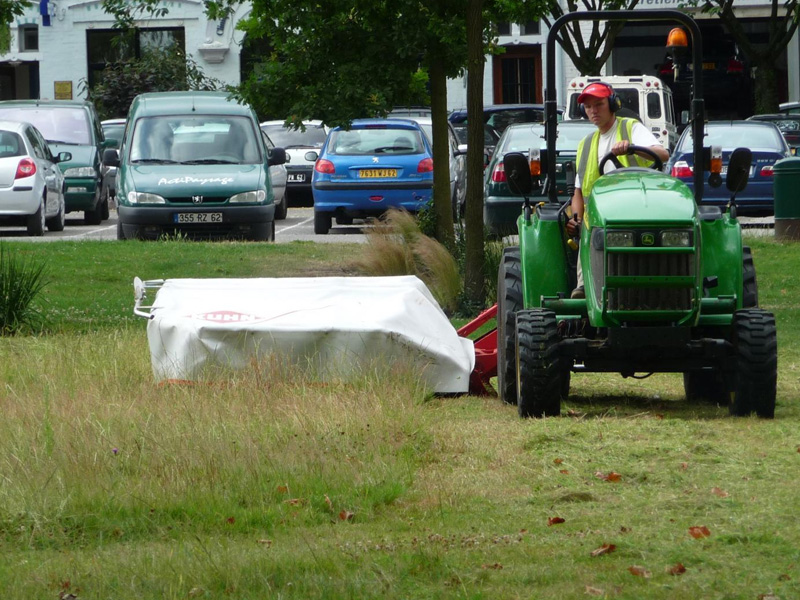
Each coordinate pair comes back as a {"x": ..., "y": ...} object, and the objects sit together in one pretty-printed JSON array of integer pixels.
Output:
[{"x": 599, "y": 103}]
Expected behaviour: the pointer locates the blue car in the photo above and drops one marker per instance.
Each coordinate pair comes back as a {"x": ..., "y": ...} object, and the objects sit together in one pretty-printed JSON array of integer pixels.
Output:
[
  {"x": 375, "y": 165},
  {"x": 762, "y": 138}
]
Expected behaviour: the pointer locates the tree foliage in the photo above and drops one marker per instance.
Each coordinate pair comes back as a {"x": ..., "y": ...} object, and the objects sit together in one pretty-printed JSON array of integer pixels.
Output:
[
  {"x": 158, "y": 70},
  {"x": 588, "y": 54},
  {"x": 781, "y": 26}
]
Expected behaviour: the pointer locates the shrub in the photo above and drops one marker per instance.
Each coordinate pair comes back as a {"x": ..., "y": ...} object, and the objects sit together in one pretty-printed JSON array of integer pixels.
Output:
[{"x": 20, "y": 284}]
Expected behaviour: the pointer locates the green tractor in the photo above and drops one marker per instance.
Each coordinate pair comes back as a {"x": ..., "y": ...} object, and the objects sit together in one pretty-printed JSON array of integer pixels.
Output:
[{"x": 669, "y": 286}]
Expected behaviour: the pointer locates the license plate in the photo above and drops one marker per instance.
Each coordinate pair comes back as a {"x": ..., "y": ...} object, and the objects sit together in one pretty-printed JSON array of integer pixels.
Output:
[
  {"x": 197, "y": 218},
  {"x": 374, "y": 173},
  {"x": 709, "y": 66},
  {"x": 297, "y": 177},
  {"x": 725, "y": 170}
]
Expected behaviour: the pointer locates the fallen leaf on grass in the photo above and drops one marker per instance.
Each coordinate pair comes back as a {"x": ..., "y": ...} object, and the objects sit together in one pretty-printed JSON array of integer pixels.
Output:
[
  {"x": 768, "y": 597},
  {"x": 684, "y": 466},
  {"x": 610, "y": 476},
  {"x": 554, "y": 521},
  {"x": 564, "y": 472},
  {"x": 676, "y": 569},
  {"x": 604, "y": 549},
  {"x": 346, "y": 515},
  {"x": 265, "y": 542},
  {"x": 558, "y": 461},
  {"x": 231, "y": 520},
  {"x": 295, "y": 501},
  {"x": 699, "y": 532},
  {"x": 784, "y": 577},
  {"x": 329, "y": 503},
  {"x": 639, "y": 571},
  {"x": 593, "y": 591},
  {"x": 718, "y": 492},
  {"x": 283, "y": 489},
  {"x": 497, "y": 566}
]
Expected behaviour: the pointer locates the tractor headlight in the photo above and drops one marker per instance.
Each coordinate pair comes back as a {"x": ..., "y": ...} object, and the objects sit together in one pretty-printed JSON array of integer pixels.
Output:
[
  {"x": 619, "y": 239},
  {"x": 676, "y": 238}
]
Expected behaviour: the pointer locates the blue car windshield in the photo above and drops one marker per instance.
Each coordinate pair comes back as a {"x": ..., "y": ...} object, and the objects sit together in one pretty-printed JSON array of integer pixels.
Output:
[{"x": 365, "y": 142}]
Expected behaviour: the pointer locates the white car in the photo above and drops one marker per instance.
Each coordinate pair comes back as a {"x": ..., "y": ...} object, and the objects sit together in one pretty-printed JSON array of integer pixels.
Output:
[
  {"x": 31, "y": 183},
  {"x": 298, "y": 144},
  {"x": 458, "y": 164}
]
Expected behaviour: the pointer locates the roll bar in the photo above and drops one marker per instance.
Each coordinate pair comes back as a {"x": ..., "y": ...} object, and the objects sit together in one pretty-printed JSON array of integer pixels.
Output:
[{"x": 698, "y": 104}]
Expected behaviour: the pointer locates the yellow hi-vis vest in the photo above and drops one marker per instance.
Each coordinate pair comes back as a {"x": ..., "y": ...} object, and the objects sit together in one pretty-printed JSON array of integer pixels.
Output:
[{"x": 588, "y": 161}]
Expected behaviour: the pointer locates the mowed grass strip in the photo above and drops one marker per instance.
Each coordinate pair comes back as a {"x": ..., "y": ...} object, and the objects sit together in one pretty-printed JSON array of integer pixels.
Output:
[{"x": 274, "y": 484}]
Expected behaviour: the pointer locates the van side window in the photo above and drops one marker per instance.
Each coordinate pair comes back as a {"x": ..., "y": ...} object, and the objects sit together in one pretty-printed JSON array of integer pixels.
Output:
[{"x": 653, "y": 105}]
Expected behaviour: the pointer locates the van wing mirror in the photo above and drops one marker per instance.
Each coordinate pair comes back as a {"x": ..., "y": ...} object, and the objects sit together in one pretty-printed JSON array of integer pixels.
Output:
[
  {"x": 518, "y": 173},
  {"x": 277, "y": 156},
  {"x": 111, "y": 158},
  {"x": 738, "y": 169}
]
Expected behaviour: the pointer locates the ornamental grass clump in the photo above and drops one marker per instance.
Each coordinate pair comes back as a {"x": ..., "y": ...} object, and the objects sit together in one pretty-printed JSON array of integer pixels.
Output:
[
  {"x": 396, "y": 246},
  {"x": 21, "y": 282}
]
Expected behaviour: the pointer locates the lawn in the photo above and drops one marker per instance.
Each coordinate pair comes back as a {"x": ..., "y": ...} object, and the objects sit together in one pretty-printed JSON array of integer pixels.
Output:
[{"x": 274, "y": 485}]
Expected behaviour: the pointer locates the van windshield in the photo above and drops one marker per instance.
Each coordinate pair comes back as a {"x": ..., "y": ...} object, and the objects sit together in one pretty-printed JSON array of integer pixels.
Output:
[
  {"x": 58, "y": 124},
  {"x": 213, "y": 139}
]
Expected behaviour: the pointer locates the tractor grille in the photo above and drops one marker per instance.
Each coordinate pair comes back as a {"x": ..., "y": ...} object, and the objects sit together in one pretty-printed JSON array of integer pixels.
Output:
[{"x": 650, "y": 264}]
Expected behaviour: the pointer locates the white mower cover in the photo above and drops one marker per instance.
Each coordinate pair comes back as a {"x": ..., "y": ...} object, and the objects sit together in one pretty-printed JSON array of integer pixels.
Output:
[{"x": 332, "y": 325}]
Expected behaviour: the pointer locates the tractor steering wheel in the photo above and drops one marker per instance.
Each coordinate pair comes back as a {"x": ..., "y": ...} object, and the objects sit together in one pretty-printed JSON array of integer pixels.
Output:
[{"x": 657, "y": 165}]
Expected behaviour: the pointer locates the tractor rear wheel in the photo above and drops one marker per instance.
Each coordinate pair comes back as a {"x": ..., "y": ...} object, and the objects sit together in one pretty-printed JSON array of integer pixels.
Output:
[
  {"x": 541, "y": 371},
  {"x": 749, "y": 283},
  {"x": 509, "y": 301},
  {"x": 756, "y": 347}
]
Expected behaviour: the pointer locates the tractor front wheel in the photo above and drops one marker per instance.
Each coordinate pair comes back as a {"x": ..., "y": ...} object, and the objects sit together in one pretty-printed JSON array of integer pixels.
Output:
[
  {"x": 509, "y": 301},
  {"x": 542, "y": 376},
  {"x": 756, "y": 355}
]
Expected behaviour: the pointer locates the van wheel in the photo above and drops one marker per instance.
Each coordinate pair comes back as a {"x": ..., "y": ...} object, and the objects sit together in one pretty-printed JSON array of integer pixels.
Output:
[
  {"x": 94, "y": 216},
  {"x": 281, "y": 209},
  {"x": 322, "y": 222},
  {"x": 263, "y": 232}
]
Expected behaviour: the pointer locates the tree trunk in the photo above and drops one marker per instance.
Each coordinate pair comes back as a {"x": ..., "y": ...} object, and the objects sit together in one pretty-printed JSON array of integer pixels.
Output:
[
  {"x": 474, "y": 251},
  {"x": 441, "y": 156},
  {"x": 766, "y": 88}
]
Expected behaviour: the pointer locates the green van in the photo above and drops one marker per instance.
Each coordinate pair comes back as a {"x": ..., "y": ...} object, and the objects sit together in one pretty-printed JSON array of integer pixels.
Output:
[
  {"x": 193, "y": 163},
  {"x": 70, "y": 126}
]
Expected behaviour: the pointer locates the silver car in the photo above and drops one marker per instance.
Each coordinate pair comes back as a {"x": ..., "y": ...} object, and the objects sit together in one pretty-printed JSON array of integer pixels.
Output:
[{"x": 31, "y": 183}]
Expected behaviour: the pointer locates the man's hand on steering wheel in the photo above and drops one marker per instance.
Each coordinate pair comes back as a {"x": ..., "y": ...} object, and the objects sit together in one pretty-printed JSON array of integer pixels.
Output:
[{"x": 624, "y": 147}]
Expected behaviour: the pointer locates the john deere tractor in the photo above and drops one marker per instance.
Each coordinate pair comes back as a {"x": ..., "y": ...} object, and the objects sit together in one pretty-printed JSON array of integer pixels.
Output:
[{"x": 669, "y": 286}]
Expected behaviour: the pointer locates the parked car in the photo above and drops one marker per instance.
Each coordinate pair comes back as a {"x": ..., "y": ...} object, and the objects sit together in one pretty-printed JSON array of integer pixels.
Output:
[
  {"x": 375, "y": 165},
  {"x": 490, "y": 139},
  {"x": 70, "y": 126},
  {"x": 458, "y": 163},
  {"x": 112, "y": 131},
  {"x": 500, "y": 116},
  {"x": 31, "y": 184},
  {"x": 278, "y": 176},
  {"x": 410, "y": 111},
  {"x": 297, "y": 143},
  {"x": 501, "y": 207},
  {"x": 790, "y": 108},
  {"x": 763, "y": 139},
  {"x": 194, "y": 163},
  {"x": 789, "y": 124}
]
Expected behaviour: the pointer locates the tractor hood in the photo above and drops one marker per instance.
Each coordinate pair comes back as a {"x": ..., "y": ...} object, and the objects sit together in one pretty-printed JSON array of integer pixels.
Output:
[{"x": 633, "y": 197}]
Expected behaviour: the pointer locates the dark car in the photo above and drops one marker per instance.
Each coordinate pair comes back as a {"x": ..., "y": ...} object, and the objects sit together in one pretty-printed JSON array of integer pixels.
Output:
[
  {"x": 500, "y": 116},
  {"x": 763, "y": 139},
  {"x": 789, "y": 124},
  {"x": 500, "y": 206},
  {"x": 70, "y": 126}
]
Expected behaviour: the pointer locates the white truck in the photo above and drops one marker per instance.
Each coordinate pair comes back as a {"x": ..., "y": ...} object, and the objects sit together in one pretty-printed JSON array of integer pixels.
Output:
[{"x": 643, "y": 96}]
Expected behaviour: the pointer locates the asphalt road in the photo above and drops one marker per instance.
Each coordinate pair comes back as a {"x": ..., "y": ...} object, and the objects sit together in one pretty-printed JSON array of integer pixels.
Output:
[{"x": 298, "y": 226}]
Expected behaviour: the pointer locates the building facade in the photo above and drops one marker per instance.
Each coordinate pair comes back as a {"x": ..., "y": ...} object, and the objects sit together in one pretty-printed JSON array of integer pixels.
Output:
[{"x": 58, "y": 46}]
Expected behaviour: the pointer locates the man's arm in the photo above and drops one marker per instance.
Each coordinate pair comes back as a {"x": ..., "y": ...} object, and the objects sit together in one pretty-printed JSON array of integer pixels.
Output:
[
  {"x": 573, "y": 224},
  {"x": 620, "y": 148}
]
